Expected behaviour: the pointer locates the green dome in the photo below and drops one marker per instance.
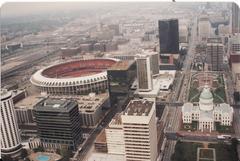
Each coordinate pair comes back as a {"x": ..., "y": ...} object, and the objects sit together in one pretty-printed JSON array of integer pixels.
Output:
[{"x": 206, "y": 93}]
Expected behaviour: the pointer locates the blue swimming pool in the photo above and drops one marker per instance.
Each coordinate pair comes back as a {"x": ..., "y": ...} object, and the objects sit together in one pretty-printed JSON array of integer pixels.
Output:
[{"x": 43, "y": 158}]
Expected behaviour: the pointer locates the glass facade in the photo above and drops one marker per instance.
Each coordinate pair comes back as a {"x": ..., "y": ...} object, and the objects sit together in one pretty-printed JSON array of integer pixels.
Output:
[{"x": 168, "y": 36}]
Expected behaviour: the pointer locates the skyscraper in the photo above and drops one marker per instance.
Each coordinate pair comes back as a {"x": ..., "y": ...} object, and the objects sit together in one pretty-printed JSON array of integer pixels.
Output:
[
  {"x": 235, "y": 18},
  {"x": 58, "y": 123},
  {"x": 10, "y": 139},
  {"x": 204, "y": 28},
  {"x": 120, "y": 78},
  {"x": 140, "y": 131},
  {"x": 235, "y": 44},
  {"x": 154, "y": 61},
  {"x": 168, "y": 36},
  {"x": 144, "y": 73},
  {"x": 215, "y": 56}
]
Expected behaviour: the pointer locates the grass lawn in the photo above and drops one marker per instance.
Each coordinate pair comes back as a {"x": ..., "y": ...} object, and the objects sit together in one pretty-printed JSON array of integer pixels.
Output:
[
  {"x": 219, "y": 95},
  {"x": 225, "y": 152},
  {"x": 220, "y": 91},
  {"x": 206, "y": 153},
  {"x": 192, "y": 126},
  {"x": 185, "y": 151},
  {"x": 192, "y": 92},
  {"x": 220, "y": 80},
  {"x": 224, "y": 129}
]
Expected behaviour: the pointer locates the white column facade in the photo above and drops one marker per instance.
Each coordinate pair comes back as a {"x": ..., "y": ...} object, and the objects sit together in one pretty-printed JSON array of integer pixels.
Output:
[{"x": 10, "y": 138}]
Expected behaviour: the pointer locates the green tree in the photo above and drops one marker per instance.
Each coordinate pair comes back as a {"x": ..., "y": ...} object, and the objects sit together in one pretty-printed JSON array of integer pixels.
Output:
[
  {"x": 39, "y": 149},
  {"x": 66, "y": 154},
  {"x": 6, "y": 158}
]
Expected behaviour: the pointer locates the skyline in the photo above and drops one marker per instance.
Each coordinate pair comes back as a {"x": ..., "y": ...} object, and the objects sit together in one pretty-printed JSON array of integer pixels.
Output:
[{"x": 120, "y": 81}]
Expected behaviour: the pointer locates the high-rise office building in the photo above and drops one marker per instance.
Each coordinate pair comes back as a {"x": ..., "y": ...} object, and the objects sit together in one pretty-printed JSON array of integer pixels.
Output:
[
  {"x": 168, "y": 36},
  {"x": 144, "y": 73},
  {"x": 140, "y": 130},
  {"x": 10, "y": 139},
  {"x": 154, "y": 61},
  {"x": 215, "y": 56},
  {"x": 58, "y": 123},
  {"x": 235, "y": 44},
  {"x": 204, "y": 28},
  {"x": 235, "y": 18},
  {"x": 120, "y": 78},
  {"x": 235, "y": 64}
]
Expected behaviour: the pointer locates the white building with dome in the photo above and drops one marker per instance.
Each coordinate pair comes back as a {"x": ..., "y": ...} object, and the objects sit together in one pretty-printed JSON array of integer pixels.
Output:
[{"x": 206, "y": 113}]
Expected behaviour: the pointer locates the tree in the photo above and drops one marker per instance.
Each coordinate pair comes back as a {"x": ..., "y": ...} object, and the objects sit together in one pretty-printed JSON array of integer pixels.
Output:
[
  {"x": 24, "y": 153},
  {"x": 58, "y": 151},
  {"x": 66, "y": 154},
  {"x": 6, "y": 158},
  {"x": 38, "y": 149}
]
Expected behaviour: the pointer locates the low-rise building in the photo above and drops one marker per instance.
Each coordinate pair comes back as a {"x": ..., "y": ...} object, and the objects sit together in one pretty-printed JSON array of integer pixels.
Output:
[
  {"x": 114, "y": 136},
  {"x": 90, "y": 107},
  {"x": 18, "y": 95},
  {"x": 100, "y": 143},
  {"x": 25, "y": 115}
]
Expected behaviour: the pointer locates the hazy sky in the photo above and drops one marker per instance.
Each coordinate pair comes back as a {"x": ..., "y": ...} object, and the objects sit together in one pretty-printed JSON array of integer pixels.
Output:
[
  {"x": 18, "y": 9},
  {"x": 14, "y": 9}
]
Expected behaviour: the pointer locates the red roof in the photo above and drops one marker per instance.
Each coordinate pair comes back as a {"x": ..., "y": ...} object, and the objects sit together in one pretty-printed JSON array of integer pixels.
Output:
[
  {"x": 78, "y": 68},
  {"x": 235, "y": 58}
]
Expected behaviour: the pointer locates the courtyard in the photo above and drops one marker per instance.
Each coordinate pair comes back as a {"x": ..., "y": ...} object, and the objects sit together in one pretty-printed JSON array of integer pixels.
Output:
[{"x": 214, "y": 80}]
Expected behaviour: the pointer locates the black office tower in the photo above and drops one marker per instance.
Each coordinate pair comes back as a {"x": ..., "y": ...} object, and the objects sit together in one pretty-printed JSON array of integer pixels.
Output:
[
  {"x": 120, "y": 78},
  {"x": 58, "y": 123},
  {"x": 168, "y": 36}
]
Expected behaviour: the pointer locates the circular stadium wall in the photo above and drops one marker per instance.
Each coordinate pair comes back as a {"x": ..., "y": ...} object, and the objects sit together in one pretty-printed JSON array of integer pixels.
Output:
[{"x": 73, "y": 78}]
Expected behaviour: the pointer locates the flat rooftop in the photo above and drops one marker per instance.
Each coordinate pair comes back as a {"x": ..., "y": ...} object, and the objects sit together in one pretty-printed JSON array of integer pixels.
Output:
[
  {"x": 106, "y": 157},
  {"x": 141, "y": 107},
  {"x": 5, "y": 93},
  {"x": 55, "y": 105},
  {"x": 122, "y": 65},
  {"x": 153, "y": 93},
  {"x": 101, "y": 138},
  {"x": 116, "y": 121},
  {"x": 160, "y": 83},
  {"x": 88, "y": 103},
  {"x": 29, "y": 101},
  {"x": 166, "y": 78}
]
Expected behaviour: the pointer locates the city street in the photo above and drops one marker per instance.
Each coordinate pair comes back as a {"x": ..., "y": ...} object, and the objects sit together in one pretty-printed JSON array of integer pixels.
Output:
[
  {"x": 173, "y": 119},
  {"x": 85, "y": 147},
  {"x": 169, "y": 150},
  {"x": 236, "y": 122},
  {"x": 174, "y": 113}
]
